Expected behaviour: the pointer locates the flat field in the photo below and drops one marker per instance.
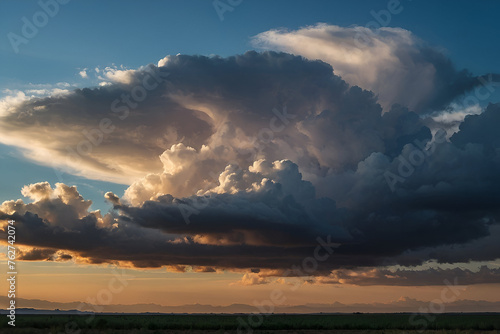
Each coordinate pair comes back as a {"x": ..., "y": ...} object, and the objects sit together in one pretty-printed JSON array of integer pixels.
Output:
[{"x": 248, "y": 323}]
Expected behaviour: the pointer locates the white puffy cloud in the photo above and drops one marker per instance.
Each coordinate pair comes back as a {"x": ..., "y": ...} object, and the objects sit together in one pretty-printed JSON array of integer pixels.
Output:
[
  {"x": 9, "y": 103},
  {"x": 83, "y": 73},
  {"x": 253, "y": 279},
  {"x": 122, "y": 76}
]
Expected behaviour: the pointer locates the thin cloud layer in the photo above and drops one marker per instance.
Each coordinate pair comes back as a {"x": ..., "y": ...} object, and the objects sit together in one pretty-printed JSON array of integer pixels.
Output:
[
  {"x": 431, "y": 276},
  {"x": 379, "y": 276}
]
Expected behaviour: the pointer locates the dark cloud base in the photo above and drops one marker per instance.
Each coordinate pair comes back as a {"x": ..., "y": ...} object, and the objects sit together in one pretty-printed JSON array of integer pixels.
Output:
[{"x": 323, "y": 175}]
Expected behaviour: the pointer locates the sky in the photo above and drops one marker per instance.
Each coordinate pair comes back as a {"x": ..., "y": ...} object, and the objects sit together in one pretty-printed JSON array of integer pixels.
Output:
[{"x": 341, "y": 151}]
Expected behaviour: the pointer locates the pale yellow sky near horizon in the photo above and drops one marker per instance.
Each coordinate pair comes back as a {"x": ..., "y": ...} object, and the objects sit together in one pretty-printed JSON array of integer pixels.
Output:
[{"x": 71, "y": 282}]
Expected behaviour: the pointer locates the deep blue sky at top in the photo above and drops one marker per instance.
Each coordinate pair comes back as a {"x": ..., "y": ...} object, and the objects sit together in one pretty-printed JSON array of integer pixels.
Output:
[
  {"x": 100, "y": 32},
  {"x": 90, "y": 33}
]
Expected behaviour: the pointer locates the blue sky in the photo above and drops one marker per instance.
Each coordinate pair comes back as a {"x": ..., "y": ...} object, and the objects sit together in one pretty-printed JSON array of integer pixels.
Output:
[
  {"x": 96, "y": 33},
  {"x": 89, "y": 34}
]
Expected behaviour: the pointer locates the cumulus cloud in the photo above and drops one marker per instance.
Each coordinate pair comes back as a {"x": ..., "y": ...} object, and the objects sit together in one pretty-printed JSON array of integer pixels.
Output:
[
  {"x": 253, "y": 279},
  {"x": 267, "y": 205},
  {"x": 11, "y": 101},
  {"x": 58, "y": 219},
  {"x": 83, "y": 73},
  {"x": 224, "y": 104},
  {"x": 225, "y": 108},
  {"x": 255, "y": 160},
  {"x": 114, "y": 74}
]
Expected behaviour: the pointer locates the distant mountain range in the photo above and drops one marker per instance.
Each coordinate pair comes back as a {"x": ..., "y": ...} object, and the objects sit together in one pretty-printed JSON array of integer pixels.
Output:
[{"x": 404, "y": 304}]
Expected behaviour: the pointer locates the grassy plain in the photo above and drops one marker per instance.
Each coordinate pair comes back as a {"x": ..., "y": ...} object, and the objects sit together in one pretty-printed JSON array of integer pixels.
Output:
[{"x": 245, "y": 323}]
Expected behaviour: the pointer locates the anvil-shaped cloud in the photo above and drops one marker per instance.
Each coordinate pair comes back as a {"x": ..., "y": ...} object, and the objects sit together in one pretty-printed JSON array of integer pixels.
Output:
[{"x": 250, "y": 161}]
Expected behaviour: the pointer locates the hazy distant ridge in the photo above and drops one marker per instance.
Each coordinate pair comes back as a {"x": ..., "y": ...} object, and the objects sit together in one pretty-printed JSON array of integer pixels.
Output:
[{"x": 402, "y": 305}]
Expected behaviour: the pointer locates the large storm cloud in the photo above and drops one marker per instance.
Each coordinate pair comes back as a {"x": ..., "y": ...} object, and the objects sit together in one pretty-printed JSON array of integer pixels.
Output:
[{"x": 253, "y": 160}]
